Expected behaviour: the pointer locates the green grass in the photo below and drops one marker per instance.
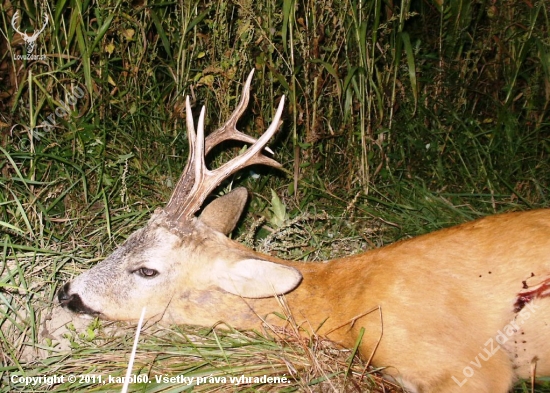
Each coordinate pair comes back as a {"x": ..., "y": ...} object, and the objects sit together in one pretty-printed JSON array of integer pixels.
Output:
[{"x": 401, "y": 119}]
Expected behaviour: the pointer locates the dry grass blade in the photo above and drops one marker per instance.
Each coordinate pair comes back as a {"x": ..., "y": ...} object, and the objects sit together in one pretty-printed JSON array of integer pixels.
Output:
[{"x": 198, "y": 359}]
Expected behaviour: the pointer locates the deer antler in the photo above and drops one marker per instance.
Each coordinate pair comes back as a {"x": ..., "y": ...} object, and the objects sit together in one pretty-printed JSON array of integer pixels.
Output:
[
  {"x": 13, "y": 21},
  {"x": 26, "y": 37},
  {"x": 197, "y": 181},
  {"x": 46, "y": 20},
  {"x": 229, "y": 129}
]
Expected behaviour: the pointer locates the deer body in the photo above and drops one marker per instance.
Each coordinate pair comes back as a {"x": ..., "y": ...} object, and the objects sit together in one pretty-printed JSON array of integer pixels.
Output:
[
  {"x": 464, "y": 309},
  {"x": 444, "y": 298}
]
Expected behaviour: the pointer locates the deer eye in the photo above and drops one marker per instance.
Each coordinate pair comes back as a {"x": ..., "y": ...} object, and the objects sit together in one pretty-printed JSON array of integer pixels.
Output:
[{"x": 146, "y": 273}]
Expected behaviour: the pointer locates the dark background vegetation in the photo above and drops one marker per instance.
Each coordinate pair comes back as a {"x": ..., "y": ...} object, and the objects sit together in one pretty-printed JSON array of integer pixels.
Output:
[{"x": 401, "y": 118}]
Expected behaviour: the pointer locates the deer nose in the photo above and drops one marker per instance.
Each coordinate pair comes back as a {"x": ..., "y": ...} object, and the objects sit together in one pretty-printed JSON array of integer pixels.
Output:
[
  {"x": 63, "y": 294},
  {"x": 73, "y": 302}
]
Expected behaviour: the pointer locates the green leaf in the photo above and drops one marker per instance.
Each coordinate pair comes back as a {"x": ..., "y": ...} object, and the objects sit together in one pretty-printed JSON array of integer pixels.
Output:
[
  {"x": 411, "y": 65},
  {"x": 278, "y": 209}
]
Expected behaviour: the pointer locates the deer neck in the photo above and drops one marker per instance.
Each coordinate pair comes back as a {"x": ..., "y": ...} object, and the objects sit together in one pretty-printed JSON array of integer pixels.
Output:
[
  {"x": 315, "y": 306},
  {"x": 324, "y": 303}
]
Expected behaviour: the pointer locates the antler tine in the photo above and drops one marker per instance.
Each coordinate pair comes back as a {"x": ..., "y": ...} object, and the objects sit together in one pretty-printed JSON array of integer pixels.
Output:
[
  {"x": 14, "y": 20},
  {"x": 229, "y": 129},
  {"x": 197, "y": 181},
  {"x": 187, "y": 179}
]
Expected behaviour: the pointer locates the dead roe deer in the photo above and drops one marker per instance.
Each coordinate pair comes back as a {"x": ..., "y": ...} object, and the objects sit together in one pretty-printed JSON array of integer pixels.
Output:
[{"x": 463, "y": 309}]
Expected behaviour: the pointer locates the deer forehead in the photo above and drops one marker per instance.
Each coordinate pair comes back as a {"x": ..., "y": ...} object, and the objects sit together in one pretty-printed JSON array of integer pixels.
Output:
[
  {"x": 151, "y": 245},
  {"x": 159, "y": 246}
]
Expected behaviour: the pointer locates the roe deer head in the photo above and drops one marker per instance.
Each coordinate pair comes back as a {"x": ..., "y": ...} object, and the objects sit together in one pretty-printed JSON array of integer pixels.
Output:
[{"x": 464, "y": 309}]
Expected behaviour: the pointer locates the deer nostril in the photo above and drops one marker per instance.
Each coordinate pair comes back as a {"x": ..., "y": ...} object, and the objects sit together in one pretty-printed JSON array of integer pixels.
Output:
[
  {"x": 73, "y": 302},
  {"x": 63, "y": 295}
]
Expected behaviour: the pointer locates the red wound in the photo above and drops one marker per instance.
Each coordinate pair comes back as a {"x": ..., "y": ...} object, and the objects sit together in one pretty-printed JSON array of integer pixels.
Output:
[{"x": 539, "y": 291}]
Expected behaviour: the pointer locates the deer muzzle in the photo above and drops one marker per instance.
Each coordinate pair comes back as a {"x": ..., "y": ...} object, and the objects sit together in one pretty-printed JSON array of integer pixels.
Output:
[{"x": 73, "y": 302}]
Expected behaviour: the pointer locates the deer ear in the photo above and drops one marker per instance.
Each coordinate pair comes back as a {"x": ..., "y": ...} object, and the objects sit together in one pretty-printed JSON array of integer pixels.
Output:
[
  {"x": 223, "y": 213},
  {"x": 255, "y": 278}
]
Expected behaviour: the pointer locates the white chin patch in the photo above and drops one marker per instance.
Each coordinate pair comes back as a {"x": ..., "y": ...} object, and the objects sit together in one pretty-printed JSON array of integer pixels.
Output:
[{"x": 85, "y": 316}]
